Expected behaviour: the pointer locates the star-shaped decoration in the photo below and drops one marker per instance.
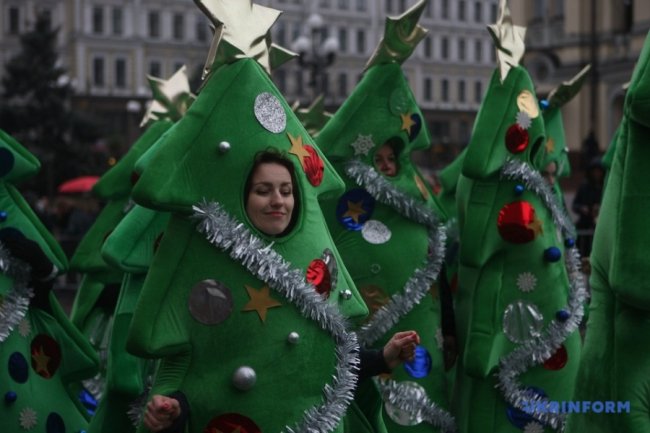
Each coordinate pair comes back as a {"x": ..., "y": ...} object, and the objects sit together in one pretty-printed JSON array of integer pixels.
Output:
[
  {"x": 523, "y": 120},
  {"x": 260, "y": 301},
  {"x": 171, "y": 98},
  {"x": 355, "y": 210},
  {"x": 568, "y": 89},
  {"x": 241, "y": 30},
  {"x": 314, "y": 117},
  {"x": 526, "y": 282},
  {"x": 363, "y": 144},
  {"x": 28, "y": 418},
  {"x": 401, "y": 36},
  {"x": 24, "y": 327},
  {"x": 536, "y": 226},
  {"x": 533, "y": 427},
  {"x": 41, "y": 360},
  {"x": 508, "y": 40},
  {"x": 298, "y": 149},
  {"x": 550, "y": 145},
  {"x": 407, "y": 122}
]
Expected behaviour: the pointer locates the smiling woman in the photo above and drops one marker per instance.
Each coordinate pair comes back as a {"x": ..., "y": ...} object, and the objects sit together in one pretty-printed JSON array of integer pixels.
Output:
[{"x": 270, "y": 194}]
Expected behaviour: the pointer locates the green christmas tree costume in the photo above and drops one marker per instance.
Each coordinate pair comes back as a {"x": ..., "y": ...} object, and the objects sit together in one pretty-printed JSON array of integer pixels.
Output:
[
  {"x": 231, "y": 312},
  {"x": 615, "y": 366},
  {"x": 520, "y": 293},
  {"x": 389, "y": 231},
  {"x": 41, "y": 351},
  {"x": 130, "y": 248}
]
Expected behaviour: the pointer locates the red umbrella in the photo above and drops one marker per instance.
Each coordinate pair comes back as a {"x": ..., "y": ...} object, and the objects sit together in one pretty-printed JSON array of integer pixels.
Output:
[{"x": 78, "y": 184}]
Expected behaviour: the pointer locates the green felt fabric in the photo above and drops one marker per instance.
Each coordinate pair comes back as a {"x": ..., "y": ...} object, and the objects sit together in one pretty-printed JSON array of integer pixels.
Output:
[
  {"x": 48, "y": 393},
  {"x": 381, "y": 270},
  {"x": 615, "y": 365},
  {"x": 200, "y": 359},
  {"x": 490, "y": 265}
]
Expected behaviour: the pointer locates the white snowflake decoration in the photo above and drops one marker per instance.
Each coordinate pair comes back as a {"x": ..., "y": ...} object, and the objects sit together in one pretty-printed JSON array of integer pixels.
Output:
[
  {"x": 526, "y": 282},
  {"x": 28, "y": 419},
  {"x": 533, "y": 427},
  {"x": 439, "y": 338},
  {"x": 363, "y": 144},
  {"x": 523, "y": 120},
  {"x": 24, "y": 327}
]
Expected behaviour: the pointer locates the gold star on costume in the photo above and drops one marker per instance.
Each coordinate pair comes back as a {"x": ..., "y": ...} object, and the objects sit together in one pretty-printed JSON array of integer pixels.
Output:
[
  {"x": 407, "y": 123},
  {"x": 550, "y": 145},
  {"x": 260, "y": 301},
  {"x": 41, "y": 360},
  {"x": 568, "y": 89},
  {"x": 354, "y": 210},
  {"x": 171, "y": 98},
  {"x": 401, "y": 36},
  {"x": 508, "y": 39},
  {"x": 241, "y": 30},
  {"x": 313, "y": 117},
  {"x": 298, "y": 149},
  {"x": 536, "y": 226}
]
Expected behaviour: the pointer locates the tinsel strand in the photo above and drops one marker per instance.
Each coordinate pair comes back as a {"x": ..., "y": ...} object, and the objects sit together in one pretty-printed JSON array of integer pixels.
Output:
[
  {"x": 418, "y": 285},
  {"x": 233, "y": 237},
  {"x": 15, "y": 303},
  {"x": 537, "y": 350}
]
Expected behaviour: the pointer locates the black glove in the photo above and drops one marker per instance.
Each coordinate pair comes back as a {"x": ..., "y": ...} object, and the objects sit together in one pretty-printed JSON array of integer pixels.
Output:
[{"x": 31, "y": 253}]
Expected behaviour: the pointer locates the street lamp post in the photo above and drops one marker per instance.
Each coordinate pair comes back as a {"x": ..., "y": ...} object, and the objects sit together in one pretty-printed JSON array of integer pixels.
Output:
[{"x": 316, "y": 52}]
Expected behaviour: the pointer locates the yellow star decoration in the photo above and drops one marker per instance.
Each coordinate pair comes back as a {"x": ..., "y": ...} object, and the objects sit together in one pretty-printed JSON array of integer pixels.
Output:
[
  {"x": 401, "y": 36},
  {"x": 407, "y": 123},
  {"x": 171, "y": 98},
  {"x": 241, "y": 30},
  {"x": 297, "y": 148},
  {"x": 508, "y": 40},
  {"x": 536, "y": 226},
  {"x": 550, "y": 145},
  {"x": 41, "y": 360},
  {"x": 354, "y": 210},
  {"x": 260, "y": 301}
]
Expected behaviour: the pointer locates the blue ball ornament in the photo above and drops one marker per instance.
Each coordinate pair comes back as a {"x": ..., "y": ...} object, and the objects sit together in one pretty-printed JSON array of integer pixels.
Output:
[
  {"x": 10, "y": 397},
  {"x": 552, "y": 254},
  {"x": 519, "y": 189}
]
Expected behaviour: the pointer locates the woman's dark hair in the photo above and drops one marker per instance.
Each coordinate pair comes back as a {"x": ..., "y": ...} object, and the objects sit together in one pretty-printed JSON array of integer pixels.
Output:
[{"x": 274, "y": 156}]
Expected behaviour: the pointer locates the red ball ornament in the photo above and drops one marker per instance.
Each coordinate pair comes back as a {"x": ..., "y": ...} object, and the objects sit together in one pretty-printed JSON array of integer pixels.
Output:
[
  {"x": 516, "y": 139},
  {"x": 558, "y": 360},
  {"x": 313, "y": 166},
  {"x": 516, "y": 222},
  {"x": 46, "y": 355},
  {"x": 319, "y": 275},
  {"x": 231, "y": 423}
]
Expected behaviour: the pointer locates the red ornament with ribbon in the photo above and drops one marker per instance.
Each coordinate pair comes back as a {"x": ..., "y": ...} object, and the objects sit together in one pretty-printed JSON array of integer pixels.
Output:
[
  {"x": 318, "y": 274},
  {"x": 517, "y": 139},
  {"x": 517, "y": 222}
]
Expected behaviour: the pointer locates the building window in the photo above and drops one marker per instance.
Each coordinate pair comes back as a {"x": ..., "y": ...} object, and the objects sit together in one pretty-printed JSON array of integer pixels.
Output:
[
  {"x": 118, "y": 21},
  {"x": 428, "y": 10},
  {"x": 463, "y": 132},
  {"x": 178, "y": 27},
  {"x": 280, "y": 33},
  {"x": 461, "y": 49},
  {"x": 444, "y": 48},
  {"x": 493, "y": 56},
  {"x": 444, "y": 9},
  {"x": 343, "y": 85},
  {"x": 402, "y": 6},
  {"x": 428, "y": 52},
  {"x": 98, "y": 20},
  {"x": 178, "y": 64},
  {"x": 120, "y": 73},
  {"x": 428, "y": 89},
  {"x": 14, "y": 21},
  {"x": 444, "y": 90},
  {"x": 201, "y": 28},
  {"x": 155, "y": 68},
  {"x": 559, "y": 7},
  {"x": 300, "y": 87},
  {"x": 539, "y": 8},
  {"x": 478, "y": 51},
  {"x": 461, "y": 91},
  {"x": 45, "y": 14},
  {"x": 461, "y": 10},
  {"x": 99, "y": 79},
  {"x": 361, "y": 41},
  {"x": 343, "y": 4},
  {"x": 281, "y": 80},
  {"x": 389, "y": 6},
  {"x": 362, "y": 5},
  {"x": 493, "y": 13},
  {"x": 324, "y": 4},
  {"x": 153, "y": 19},
  {"x": 343, "y": 39},
  {"x": 478, "y": 12},
  {"x": 478, "y": 91}
]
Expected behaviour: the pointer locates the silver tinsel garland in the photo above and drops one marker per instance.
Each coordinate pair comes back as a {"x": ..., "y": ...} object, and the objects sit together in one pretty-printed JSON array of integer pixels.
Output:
[
  {"x": 537, "y": 350},
  {"x": 263, "y": 262},
  {"x": 415, "y": 289},
  {"x": 404, "y": 399},
  {"x": 15, "y": 303}
]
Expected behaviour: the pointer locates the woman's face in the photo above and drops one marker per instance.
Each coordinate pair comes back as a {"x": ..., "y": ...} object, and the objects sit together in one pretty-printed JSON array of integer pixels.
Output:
[
  {"x": 549, "y": 173},
  {"x": 269, "y": 204},
  {"x": 385, "y": 160}
]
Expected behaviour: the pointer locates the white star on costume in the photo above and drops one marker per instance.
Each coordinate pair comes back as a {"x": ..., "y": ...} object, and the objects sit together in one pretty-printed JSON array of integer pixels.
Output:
[
  {"x": 24, "y": 328},
  {"x": 526, "y": 282},
  {"x": 533, "y": 427},
  {"x": 28, "y": 418},
  {"x": 523, "y": 120},
  {"x": 363, "y": 144}
]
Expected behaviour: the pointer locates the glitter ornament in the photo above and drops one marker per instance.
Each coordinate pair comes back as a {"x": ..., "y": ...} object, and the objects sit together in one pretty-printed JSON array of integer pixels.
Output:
[
  {"x": 269, "y": 112},
  {"x": 375, "y": 232}
]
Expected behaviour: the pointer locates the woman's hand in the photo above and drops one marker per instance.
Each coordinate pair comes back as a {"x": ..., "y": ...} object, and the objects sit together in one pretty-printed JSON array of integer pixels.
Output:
[
  {"x": 400, "y": 348},
  {"x": 161, "y": 413}
]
